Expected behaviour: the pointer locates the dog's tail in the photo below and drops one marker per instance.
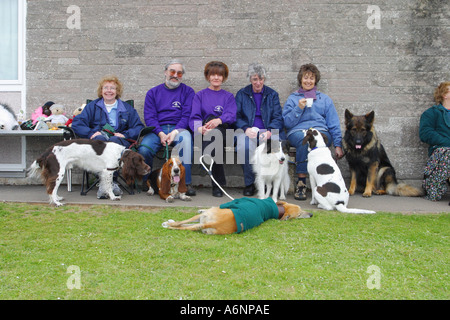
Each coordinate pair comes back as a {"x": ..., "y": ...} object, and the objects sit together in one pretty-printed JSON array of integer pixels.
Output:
[
  {"x": 344, "y": 209},
  {"x": 403, "y": 190},
  {"x": 34, "y": 171}
]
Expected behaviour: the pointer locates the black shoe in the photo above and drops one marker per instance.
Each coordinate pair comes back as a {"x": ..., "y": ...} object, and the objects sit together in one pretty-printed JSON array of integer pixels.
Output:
[
  {"x": 300, "y": 191},
  {"x": 249, "y": 190},
  {"x": 190, "y": 191},
  {"x": 216, "y": 192}
]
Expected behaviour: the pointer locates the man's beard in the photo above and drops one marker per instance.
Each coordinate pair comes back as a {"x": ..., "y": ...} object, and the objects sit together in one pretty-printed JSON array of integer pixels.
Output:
[{"x": 172, "y": 84}]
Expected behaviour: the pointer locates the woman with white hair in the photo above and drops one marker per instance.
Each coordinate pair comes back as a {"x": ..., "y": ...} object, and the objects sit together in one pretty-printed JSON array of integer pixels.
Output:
[{"x": 259, "y": 116}]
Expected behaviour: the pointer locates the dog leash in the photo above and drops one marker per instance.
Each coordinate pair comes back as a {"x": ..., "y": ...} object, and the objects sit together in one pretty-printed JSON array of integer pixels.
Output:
[
  {"x": 209, "y": 171},
  {"x": 166, "y": 152}
]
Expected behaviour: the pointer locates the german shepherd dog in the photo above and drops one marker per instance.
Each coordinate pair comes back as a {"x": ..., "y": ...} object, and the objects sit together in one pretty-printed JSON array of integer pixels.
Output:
[{"x": 368, "y": 162}]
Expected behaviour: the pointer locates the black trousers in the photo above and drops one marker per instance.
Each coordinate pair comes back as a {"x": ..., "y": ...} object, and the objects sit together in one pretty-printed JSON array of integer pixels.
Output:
[{"x": 217, "y": 170}]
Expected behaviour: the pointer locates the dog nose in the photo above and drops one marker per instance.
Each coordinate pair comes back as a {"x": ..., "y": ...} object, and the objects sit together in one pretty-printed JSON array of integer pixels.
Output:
[{"x": 176, "y": 170}]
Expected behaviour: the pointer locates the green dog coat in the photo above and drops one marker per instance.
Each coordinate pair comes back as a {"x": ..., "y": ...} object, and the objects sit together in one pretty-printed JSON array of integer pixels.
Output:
[{"x": 251, "y": 212}]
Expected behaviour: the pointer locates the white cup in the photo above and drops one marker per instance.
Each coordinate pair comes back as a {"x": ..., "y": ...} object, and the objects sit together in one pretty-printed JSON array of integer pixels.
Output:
[{"x": 309, "y": 102}]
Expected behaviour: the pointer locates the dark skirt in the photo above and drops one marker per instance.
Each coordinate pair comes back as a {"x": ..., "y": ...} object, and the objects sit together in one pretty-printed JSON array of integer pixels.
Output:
[{"x": 436, "y": 174}]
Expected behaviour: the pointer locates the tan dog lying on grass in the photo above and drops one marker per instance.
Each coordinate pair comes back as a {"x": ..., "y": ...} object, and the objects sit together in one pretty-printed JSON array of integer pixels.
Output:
[{"x": 238, "y": 215}]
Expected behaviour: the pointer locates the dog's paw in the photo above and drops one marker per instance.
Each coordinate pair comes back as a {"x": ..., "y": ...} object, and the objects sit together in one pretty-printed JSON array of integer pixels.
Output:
[
  {"x": 313, "y": 202},
  {"x": 170, "y": 199},
  {"x": 185, "y": 198},
  {"x": 150, "y": 191},
  {"x": 116, "y": 198},
  {"x": 165, "y": 224}
]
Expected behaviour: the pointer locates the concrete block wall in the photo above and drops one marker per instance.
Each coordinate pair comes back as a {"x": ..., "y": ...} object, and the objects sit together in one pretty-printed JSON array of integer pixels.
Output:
[{"x": 386, "y": 56}]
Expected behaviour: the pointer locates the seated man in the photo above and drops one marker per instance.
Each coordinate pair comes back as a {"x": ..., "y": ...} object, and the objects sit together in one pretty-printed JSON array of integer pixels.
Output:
[{"x": 167, "y": 108}]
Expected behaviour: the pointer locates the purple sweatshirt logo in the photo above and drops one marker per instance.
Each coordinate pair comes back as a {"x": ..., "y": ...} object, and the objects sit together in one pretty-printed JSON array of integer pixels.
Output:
[
  {"x": 218, "y": 109},
  {"x": 176, "y": 104}
]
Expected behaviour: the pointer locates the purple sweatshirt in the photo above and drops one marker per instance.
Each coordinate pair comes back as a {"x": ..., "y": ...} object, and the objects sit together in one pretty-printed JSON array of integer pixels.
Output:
[
  {"x": 168, "y": 106},
  {"x": 207, "y": 102}
]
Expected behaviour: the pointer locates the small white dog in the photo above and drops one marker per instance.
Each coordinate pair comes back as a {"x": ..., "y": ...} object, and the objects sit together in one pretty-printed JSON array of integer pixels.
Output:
[
  {"x": 270, "y": 166},
  {"x": 8, "y": 120},
  {"x": 327, "y": 185}
]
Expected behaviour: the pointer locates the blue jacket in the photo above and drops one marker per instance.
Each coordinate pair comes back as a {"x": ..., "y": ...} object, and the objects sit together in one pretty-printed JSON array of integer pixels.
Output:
[
  {"x": 321, "y": 116},
  {"x": 270, "y": 109},
  {"x": 95, "y": 116}
]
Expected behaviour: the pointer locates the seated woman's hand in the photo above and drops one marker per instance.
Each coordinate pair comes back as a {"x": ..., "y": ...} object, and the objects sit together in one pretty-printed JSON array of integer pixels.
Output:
[{"x": 302, "y": 103}]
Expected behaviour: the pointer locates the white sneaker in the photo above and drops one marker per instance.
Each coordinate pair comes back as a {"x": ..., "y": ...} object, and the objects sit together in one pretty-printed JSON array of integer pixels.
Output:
[{"x": 101, "y": 194}]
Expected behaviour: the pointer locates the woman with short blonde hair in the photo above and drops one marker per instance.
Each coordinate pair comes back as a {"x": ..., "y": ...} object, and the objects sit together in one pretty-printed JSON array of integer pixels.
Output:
[
  {"x": 113, "y": 80},
  {"x": 108, "y": 118}
]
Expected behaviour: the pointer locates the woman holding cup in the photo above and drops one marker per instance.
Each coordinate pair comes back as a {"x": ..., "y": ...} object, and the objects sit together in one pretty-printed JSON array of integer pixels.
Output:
[{"x": 309, "y": 108}]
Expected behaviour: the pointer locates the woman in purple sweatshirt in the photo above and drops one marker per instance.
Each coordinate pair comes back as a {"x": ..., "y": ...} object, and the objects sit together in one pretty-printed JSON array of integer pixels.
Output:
[{"x": 213, "y": 111}]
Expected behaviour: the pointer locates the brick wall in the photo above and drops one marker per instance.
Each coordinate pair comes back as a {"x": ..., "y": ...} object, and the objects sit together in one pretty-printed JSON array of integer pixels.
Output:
[{"x": 389, "y": 60}]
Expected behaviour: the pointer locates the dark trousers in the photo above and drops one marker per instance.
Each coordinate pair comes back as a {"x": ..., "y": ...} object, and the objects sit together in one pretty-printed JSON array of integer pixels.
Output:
[{"x": 217, "y": 170}]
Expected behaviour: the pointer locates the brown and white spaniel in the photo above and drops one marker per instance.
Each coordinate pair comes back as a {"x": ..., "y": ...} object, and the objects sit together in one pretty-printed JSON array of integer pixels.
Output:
[
  {"x": 102, "y": 158},
  {"x": 169, "y": 181}
]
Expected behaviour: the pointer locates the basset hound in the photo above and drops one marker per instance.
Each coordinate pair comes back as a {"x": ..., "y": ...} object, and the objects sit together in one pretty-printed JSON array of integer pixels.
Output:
[{"x": 169, "y": 181}]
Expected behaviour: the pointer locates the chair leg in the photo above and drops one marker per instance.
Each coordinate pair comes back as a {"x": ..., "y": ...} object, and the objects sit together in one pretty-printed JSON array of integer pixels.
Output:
[
  {"x": 69, "y": 179},
  {"x": 85, "y": 180},
  {"x": 85, "y": 187},
  {"x": 124, "y": 185}
]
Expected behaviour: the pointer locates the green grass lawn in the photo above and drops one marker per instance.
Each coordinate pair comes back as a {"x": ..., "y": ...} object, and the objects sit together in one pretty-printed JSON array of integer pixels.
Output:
[{"x": 126, "y": 254}]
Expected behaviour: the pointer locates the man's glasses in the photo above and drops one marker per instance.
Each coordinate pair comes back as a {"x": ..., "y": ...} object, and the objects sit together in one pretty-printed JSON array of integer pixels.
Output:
[{"x": 173, "y": 72}]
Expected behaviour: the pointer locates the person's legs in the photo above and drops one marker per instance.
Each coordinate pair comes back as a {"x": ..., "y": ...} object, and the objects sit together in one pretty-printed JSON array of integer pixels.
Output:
[
  {"x": 122, "y": 141},
  {"x": 216, "y": 138},
  {"x": 183, "y": 141},
  {"x": 149, "y": 146},
  {"x": 245, "y": 148},
  {"x": 301, "y": 156}
]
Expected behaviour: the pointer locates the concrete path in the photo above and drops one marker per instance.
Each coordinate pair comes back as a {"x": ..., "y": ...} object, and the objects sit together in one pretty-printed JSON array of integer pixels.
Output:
[{"x": 37, "y": 194}]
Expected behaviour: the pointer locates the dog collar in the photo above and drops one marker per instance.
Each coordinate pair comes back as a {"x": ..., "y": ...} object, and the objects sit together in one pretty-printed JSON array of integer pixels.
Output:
[{"x": 281, "y": 211}]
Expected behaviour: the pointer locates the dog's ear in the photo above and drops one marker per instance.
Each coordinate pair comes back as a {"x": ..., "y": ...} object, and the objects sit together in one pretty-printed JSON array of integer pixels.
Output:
[
  {"x": 306, "y": 138},
  {"x": 128, "y": 168},
  {"x": 348, "y": 116},
  {"x": 165, "y": 180},
  {"x": 268, "y": 147},
  {"x": 325, "y": 138},
  {"x": 285, "y": 146},
  {"x": 370, "y": 117},
  {"x": 182, "y": 188}
]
